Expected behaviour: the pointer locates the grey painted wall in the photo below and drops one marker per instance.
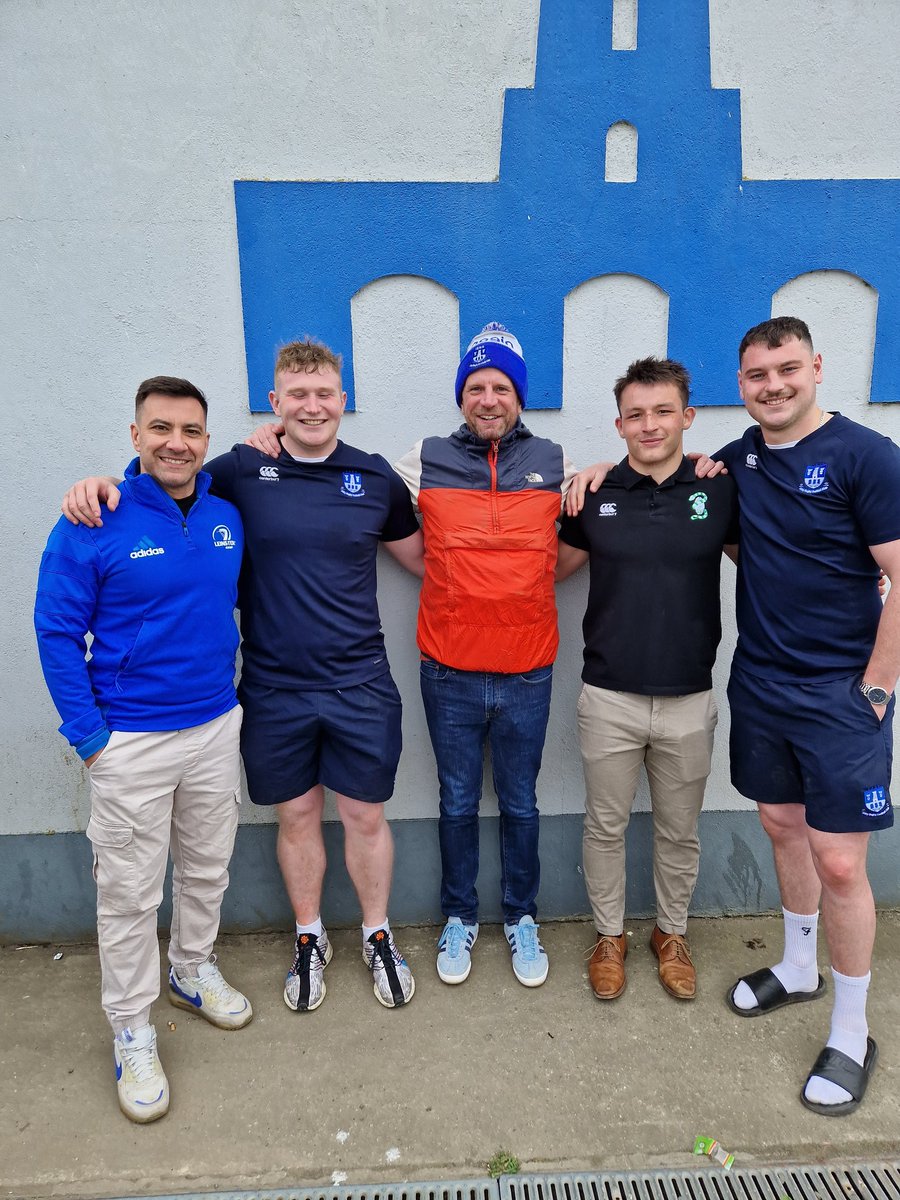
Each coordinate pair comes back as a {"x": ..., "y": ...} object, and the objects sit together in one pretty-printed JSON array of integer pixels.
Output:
[{"x": 122, "y": 139}]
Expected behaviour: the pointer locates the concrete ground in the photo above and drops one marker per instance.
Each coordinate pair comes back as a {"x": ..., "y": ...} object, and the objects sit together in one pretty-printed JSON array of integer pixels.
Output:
[{"x": 355, "y": 1093}]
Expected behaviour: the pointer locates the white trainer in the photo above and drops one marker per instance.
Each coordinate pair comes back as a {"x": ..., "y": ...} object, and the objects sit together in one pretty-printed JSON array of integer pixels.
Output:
[
  {"x": 141, "y": 1082},
  {"x": 304, "y": 986},
  {"x": 392, "y": 980},
  {"x": 210, "y": 996}
]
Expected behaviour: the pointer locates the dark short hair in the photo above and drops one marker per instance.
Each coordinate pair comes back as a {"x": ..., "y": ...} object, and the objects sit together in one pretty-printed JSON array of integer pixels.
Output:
[
  {"x": 774, "y": 333},
  {"x": 655, "y": 370},
  {"x": 167, "y": 385}
]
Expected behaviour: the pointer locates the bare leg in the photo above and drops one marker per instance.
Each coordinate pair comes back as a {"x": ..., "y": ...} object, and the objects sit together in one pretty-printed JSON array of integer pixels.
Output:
[
  {"x": 369, "y": 854},
  {"x": 848, "y": 909},
  {"x": 800, "y": 889},
  {"x": 301, "y": 852},
  {"x": 798, "y": 879},
  {"x": 848, "y": 913}
]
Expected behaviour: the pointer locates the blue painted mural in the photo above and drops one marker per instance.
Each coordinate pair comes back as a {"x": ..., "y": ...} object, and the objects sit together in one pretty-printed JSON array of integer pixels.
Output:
[{"x": 512, "y": 249}]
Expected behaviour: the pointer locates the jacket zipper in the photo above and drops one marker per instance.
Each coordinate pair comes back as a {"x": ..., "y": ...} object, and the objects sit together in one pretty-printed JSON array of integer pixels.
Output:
[{"x": 493, "y": 454}]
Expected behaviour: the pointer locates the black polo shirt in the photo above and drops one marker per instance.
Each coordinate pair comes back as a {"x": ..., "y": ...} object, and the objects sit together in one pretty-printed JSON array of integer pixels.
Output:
[{"x": 653, "y": 620}]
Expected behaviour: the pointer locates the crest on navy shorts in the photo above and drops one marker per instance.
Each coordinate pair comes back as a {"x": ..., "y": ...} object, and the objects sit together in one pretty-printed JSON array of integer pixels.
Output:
[
  {"x": 352, "y": 485},
  {"x": 875, "y": 802},
  {"x": 814, "y": 479}
]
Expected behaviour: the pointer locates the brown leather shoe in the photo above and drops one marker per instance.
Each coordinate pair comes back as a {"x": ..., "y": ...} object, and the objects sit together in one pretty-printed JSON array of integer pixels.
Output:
[
  {"x": 676, "y": 971},
  {"x": 606, "y": 970}
]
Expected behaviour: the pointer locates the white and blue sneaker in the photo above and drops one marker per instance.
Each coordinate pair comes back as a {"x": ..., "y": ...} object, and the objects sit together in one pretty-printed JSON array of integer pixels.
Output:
[
  {"x": 209, "y": 995},
  {"x": 529, "y": 962},
  {"x": 140, "y": 1080},
  {"x": 454, "y": 960}
]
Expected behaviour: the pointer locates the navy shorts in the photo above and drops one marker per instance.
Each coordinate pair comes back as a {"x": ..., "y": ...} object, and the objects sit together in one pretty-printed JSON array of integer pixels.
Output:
[
  {"x": 347, "y": 739},
  {"x": 816, "y": 744}
]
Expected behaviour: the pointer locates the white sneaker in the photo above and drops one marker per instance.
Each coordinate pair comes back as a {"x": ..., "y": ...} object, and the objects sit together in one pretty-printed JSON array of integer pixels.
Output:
[
  {"x": 140, "y": 1080},
  {"x": 392, "y": 980},
  {"x": 304, "y": 986},
  {"x": 209, "y": 995}
]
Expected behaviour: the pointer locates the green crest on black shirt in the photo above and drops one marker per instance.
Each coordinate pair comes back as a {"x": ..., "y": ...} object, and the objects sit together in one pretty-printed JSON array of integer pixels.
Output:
[{"x": 698, "y": 502}]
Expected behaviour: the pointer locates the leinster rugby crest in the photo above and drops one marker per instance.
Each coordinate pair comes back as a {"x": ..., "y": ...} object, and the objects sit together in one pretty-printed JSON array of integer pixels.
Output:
[
  {"x": 814, "y": 479},
  {"x": 353, "y": 484}
]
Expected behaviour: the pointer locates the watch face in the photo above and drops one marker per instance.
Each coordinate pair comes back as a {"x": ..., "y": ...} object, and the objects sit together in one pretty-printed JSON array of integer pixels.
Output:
[{"x": 876, "y": 695}]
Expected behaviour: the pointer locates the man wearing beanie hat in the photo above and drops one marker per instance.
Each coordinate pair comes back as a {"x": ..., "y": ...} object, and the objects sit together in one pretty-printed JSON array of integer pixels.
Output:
[{"x": 489, "y": 495}]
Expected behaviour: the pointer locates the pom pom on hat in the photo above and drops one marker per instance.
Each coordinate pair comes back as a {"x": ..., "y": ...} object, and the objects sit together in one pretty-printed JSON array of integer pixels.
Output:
[{"x": 494, "y": 347}]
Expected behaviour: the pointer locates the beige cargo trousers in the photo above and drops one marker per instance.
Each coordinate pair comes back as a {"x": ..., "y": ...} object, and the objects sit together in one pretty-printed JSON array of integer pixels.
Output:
[{"x": 175, "y": 791}]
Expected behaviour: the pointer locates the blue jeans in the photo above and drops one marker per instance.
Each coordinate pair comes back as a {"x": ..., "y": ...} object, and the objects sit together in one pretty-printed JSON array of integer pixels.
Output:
[{"x": 464, "y": 709}]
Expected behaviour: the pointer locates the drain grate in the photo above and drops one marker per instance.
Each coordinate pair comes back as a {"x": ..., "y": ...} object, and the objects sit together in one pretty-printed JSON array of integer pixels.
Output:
[
  {"x": 466, "y": 1189},
  {"x": 871, "y": 1181},
  {"x": 874, "y": 1181}
]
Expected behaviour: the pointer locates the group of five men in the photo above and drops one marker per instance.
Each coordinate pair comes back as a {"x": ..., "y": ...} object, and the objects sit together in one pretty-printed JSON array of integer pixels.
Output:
[{"x": 809, "y": 501}]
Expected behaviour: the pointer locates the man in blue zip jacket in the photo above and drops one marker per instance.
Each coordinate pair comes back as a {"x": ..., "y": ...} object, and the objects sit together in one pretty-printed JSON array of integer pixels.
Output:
[{"x": 154, "y": 715}]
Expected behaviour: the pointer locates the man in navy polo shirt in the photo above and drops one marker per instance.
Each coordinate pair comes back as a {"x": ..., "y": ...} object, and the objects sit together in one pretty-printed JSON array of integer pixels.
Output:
[
  {"x": 654, "y": 536},
  {"x": 320, "y": 706},
  {"x": 811, "y": 698}
]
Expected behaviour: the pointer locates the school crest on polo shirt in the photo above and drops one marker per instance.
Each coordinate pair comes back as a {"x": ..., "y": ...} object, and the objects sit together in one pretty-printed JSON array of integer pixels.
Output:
[
  {"x": 875, "y": 802},
  {"x": 814, "y": 479},
  {"x": 353, "y": 484},
  {"x": 698, "y": 502}
]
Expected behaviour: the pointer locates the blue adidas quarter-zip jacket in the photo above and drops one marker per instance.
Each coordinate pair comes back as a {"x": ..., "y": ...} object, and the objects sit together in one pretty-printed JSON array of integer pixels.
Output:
[{"x": 157, "y": 591}]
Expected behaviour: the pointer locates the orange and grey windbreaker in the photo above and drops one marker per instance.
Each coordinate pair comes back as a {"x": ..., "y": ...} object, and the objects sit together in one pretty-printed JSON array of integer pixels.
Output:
[{"x": 489, "y": 512}]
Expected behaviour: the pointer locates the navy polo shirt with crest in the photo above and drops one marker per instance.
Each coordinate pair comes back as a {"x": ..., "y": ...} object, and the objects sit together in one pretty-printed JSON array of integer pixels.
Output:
[
  {"x": 307, "y": 594},
  {"x": 653, "y": 619},
  {"x": 807, "y": 599}
]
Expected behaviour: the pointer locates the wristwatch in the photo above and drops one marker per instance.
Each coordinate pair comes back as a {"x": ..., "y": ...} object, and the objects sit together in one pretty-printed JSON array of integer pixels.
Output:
[{"x": 875, "y": 695}]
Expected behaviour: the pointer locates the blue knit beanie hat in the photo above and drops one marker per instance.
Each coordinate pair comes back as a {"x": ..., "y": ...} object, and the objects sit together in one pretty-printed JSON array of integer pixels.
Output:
[{"x": 495, "y": 347}]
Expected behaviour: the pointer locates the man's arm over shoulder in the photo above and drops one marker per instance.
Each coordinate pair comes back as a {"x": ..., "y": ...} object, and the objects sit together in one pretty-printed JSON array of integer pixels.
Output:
[
  {"x": 81, "y": 503},
  {"x": 69, "y": 581}
]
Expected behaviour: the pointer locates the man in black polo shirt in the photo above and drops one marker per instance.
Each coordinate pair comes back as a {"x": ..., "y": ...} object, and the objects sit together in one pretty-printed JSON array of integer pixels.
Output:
[{"x": 654, "y": 536}]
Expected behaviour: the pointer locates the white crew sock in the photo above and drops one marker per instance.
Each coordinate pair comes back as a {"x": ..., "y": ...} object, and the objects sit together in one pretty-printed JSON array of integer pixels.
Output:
[
  {"x": 368, "y": 930},
  {"x": 849, "y": 1031},
  {"x": 315, "y": 927},
  {"x": 797, "y": 971}
]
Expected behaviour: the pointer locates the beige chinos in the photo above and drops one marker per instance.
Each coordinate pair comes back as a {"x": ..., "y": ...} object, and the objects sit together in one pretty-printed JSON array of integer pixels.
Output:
[
  {"x": 673, "y": 737},
  {"x": 151, "y": 793}
]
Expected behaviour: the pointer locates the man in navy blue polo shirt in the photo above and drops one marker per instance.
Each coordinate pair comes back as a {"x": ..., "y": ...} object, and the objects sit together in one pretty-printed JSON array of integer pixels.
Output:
[
  {"x": 654, "y": 535},
  {"x": 817, "y": 660}
]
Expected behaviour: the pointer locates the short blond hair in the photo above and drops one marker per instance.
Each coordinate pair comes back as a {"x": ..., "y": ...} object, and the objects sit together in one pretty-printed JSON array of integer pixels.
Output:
[{"x": 307, "y": 355}]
